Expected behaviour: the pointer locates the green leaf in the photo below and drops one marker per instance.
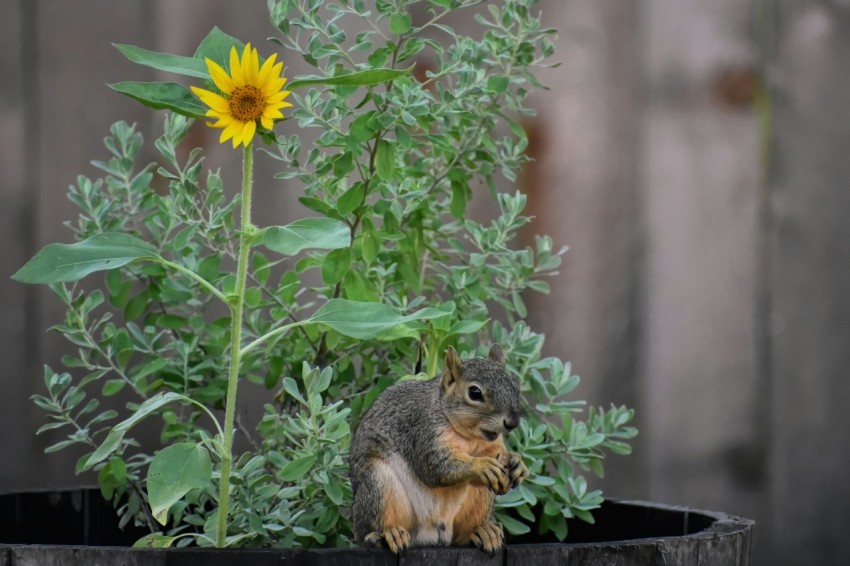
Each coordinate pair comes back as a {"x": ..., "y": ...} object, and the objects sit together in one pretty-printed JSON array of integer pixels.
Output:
[
  {"x": 59, "y": 263},
  {"x": 107, "y": 447},
  {"x": 400, "y": 23},
  {"x": 318, "y": 233},
  {"x": 366, "y": 321},
  {"x": 385, "y": 160},
  {"x": 112, "y": 387},
  {"x": 188, "y": 66},
  {"x": 336, "y": 265},
  {"x": 466, "y": 327},
  {"x": 154, "y": 540},
  {"x": 460, "y": 198},
  {"x": 498, "y": 85},
  {"x": 350, "y": 199},
  {"x": 296, "y": 469},
  {"x": 368, "y": 77},
  {"x": 216, "y": 45},
  {"x": 370, "y": 244},
  {"x": 174, "y": 471},
  {"x": 513, "y": 526},
  {"x": 163, "y": 96},
  {"x": 116, "y": 435},
  {"x": 118, "y": 469},
  {"x": 360, "y": 130},
  {"x": 334, "y": 492}
]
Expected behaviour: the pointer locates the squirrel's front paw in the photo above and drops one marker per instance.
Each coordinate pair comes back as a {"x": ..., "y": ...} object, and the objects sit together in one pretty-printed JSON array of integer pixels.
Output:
[
  {"x": 489, "y": 537},
  {"x": 492, "y": 474},
  {"x": 396, "y": 538},
  {"x": 517, "y": 471}
]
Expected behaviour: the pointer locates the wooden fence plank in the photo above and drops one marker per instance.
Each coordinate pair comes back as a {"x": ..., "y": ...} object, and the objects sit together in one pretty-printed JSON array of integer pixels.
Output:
[
  {"x": 75, "y": 109},
  {"x": 700, "y": 182},
  {"x": 15, "y": 230},
  {"x": 810, "y": 278},
  {"x": 582, "y": 191}
]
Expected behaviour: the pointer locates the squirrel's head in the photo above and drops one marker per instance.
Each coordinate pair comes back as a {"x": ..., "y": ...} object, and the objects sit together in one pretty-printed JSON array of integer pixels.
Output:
[{"x": 480, "y": 397}]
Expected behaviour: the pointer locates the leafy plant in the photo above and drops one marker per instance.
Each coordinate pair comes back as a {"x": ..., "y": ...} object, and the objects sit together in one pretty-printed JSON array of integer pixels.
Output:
[{"x": 323, "y": 313}]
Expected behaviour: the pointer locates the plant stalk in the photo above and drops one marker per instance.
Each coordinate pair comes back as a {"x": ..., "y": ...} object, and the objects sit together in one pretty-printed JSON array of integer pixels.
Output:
[{"x": 236, "y": 307}]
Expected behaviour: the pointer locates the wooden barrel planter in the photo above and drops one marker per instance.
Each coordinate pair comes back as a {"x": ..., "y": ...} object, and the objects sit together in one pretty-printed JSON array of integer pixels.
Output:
[{"x": 79, "y": 528}]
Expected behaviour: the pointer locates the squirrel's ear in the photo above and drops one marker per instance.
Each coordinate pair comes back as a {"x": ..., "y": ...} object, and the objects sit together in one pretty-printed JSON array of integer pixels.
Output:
[
  {"x": 452, "y": 372},
  {"x": 497, "y": 354}
]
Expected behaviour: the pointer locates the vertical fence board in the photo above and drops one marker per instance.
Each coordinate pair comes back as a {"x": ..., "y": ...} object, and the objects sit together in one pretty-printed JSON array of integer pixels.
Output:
[
  {"x": 15, "y": 231},
  {"x": 581, "y": 188},
  {"x": 75, "y": 109},
  {"x": 701, "y": 186},
  {"x": 810, "y": 201}
]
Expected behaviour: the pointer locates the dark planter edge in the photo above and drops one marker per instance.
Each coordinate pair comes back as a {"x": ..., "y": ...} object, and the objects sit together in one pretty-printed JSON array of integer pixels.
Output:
[{"x": 728, "y": 533}]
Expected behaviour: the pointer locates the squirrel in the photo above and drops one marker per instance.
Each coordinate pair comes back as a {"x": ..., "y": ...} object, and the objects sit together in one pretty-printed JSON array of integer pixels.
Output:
[{"x": 429, "y": 458}]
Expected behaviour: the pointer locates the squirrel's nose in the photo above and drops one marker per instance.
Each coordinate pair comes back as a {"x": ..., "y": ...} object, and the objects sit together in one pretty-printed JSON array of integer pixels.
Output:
[{"x": 512, "y": 421}]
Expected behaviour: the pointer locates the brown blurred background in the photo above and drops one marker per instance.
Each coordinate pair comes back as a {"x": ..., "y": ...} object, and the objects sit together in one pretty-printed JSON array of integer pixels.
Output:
[{"x": 694, "y": 155}]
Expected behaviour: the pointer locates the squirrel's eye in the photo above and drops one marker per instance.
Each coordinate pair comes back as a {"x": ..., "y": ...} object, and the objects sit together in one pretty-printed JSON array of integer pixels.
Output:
[{"x": 475, "y": 394}]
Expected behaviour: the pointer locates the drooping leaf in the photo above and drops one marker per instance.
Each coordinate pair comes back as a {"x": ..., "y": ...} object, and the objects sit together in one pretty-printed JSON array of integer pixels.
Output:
[
  {"x": 154, "y": 540},
  {"x": 107, "y": 447},
  {"x": 306, "y": 233},
  {"x": 116, "y": 435},
  {"x": 174, "y": 471},
  {"x": 368, "y": 77},
  {"x": 178, "y": 64},
  {"x": 366, "y": 321},
  {"x": 163, "y": 96},
  {"x": 60, "y": 263}
]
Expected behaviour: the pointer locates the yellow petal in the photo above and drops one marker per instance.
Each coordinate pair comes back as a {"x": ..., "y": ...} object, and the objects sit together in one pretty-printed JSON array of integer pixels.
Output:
[
  {"x": 200, "y": 91},
  {"x": 220, "y": 77},
  {"x": 248, "y": 132},
  {"x": 236, "y": 69},
  {"x": 255, "y": 65},
  {"x": 266, "y": 71},
  {"x": 229, "y": 131},
  {"x": 267, "y": 123},
  {"x": 211, "y": 99},
  {"x": 249, "y": 71},
  {"x": 271, "y": 113},
  {"x": 277, "y": 106},
  {"x": 277, "y": 98},
  {"x": 273, "y": 86},
  {"x": 221, "y": 121},
  {"x": 237, "y": 137}
]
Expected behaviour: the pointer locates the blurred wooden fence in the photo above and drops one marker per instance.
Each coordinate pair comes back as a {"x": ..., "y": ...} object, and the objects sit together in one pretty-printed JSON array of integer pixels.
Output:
[{"x": 692, "y": 154}]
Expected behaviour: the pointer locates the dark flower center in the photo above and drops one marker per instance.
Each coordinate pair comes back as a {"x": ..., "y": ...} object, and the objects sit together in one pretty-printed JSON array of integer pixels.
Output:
[{"x": 247, "y": 103}]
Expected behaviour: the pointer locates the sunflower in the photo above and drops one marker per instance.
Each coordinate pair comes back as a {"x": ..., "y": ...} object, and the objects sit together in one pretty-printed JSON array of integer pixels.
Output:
[{"x": 250, "y": 93}]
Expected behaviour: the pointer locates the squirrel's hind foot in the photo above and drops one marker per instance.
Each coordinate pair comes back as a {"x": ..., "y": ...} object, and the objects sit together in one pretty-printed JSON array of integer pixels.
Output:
[
  {"x": 489, "y": 537},
  {"x": 396, "y": 538}
]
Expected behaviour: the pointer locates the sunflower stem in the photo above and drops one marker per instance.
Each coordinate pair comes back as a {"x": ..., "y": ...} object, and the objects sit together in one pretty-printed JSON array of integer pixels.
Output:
[{"x": 236, "y": 307}]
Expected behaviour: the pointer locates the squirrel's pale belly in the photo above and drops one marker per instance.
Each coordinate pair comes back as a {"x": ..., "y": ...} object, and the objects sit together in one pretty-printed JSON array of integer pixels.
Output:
[{"x": 429, "y": 511}]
